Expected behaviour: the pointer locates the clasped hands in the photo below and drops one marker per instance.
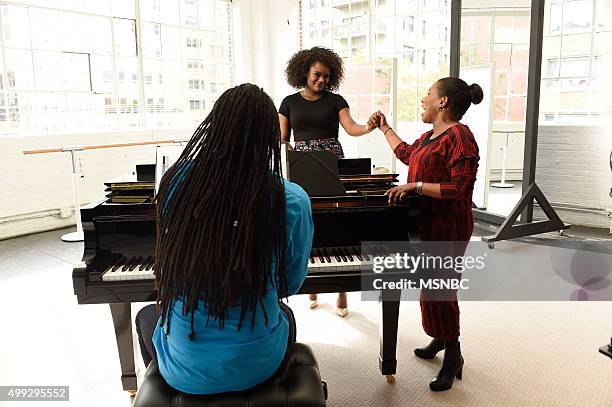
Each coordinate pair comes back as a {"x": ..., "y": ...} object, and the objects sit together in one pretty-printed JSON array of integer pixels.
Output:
[
  {"x": 378, "y": 120},
  {"x": 398, "y": 193}
]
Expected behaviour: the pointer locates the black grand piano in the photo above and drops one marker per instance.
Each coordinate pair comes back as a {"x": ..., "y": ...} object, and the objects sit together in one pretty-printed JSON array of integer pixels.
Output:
[{"x": 118, "y": 260}]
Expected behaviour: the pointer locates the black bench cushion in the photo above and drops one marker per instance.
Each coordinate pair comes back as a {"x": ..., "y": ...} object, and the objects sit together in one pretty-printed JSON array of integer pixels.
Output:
[{"x": 299, "y": 385}]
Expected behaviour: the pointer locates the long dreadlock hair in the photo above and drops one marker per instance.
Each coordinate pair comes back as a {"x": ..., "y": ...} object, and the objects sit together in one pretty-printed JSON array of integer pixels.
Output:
[{"x": 221, "y": 213}]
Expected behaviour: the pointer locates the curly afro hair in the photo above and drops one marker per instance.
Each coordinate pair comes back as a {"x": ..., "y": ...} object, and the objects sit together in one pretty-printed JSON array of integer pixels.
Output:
[{"x": 301, "y": 61}]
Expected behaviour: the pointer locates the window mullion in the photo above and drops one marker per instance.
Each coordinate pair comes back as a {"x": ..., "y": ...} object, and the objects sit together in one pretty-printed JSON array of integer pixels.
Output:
[
  {"x": 143, "y": 121},
  {"x": 115, "y": 75},
  {"x": 393, "y": 102},
  {"x": 3, "y": 51},
  {"x": 591, "y": 56}
]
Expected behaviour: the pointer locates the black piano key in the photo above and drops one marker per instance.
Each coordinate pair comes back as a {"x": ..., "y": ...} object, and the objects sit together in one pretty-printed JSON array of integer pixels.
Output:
[
  {"x": 127, "y": 263},
  {"x": 347, "y": 254},
  {"x": 338, "y": 254},
  {"x": 118, "y": 264},
  {"x": 359, "y": 254},
  {"x": 136, "y": 262},
  {"x": 342, "y": 256},
  {"x": 334, "y": 252},
  {"x": 326, "y": 255},
  {"x": 320, "y": 256},
  {"x": 353, "y": 257}
]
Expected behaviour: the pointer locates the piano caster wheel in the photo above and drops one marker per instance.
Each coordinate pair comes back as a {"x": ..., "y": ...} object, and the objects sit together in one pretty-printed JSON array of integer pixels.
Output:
[
  {"x": 390, "y": 378},
  {"x": 562, "y": 232},
  {"x": 491, "y": 245},
  {"x": 132, "y": 393}
]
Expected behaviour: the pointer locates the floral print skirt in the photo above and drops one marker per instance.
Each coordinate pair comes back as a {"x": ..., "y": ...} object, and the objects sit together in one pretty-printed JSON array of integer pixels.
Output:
[{"x": 328, "y": 144}]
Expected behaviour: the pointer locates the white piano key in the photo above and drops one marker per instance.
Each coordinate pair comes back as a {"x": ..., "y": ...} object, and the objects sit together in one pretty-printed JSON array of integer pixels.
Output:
[
  {"x": 124, "y": 274},
  {"x": 335, "y": 265}
]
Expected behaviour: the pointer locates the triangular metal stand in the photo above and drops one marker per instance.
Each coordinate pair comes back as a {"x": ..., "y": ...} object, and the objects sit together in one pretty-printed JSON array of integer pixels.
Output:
[{"x": 508, "y": 230}]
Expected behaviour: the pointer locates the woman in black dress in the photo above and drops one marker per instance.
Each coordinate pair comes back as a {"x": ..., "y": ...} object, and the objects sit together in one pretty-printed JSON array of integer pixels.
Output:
[{"x": 315, "y": 113}]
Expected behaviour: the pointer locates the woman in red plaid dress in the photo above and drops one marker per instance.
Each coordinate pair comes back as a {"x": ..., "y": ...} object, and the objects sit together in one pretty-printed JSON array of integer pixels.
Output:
[{"x": 442, "y": 166}]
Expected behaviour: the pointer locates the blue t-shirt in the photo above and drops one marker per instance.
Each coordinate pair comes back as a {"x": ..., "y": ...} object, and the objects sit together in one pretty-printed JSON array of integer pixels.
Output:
[{"x": 227, "y": 359}]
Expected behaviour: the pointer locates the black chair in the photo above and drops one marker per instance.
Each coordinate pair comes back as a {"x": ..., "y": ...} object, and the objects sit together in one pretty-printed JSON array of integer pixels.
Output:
[{"x": 298, "y": 384}]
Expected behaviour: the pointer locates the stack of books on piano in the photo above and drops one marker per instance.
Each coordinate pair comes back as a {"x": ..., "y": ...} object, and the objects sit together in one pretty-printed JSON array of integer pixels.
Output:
[
  {"x": 129, "y": 192},
  {"x": 368, "y": 184}
]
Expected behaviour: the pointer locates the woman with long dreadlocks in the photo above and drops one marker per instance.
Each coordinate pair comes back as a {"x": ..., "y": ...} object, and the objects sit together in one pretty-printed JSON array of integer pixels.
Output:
[{"x": 233, "y": 238}]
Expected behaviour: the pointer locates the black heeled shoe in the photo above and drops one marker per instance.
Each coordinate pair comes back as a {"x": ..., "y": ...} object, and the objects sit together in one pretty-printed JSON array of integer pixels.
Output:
[
  {"x": 452, "y": 367},
  {"x": 431, "y": 350}
]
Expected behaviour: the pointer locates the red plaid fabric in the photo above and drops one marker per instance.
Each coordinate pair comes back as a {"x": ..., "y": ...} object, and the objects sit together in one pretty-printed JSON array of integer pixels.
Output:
[{"x": 451, "y": 159}]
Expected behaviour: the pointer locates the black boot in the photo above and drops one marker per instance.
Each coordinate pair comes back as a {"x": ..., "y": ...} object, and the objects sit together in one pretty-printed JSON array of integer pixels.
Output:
[
  {"x": 431, "y": 350},
  {"x": 452, "y": 367}
]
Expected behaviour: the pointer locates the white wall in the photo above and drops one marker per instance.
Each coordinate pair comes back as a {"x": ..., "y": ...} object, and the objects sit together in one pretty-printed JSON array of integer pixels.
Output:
[
  {"x": 269, "y": 35},
  {"x": 573, "y": 172},
  {"x": 35, "y": 188}
]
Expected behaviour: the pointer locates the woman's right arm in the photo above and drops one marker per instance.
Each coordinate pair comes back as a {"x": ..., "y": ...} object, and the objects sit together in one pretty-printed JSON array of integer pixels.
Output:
[
  {"x": 392, "y": 138},
  {"x": 401, "y": 149},
  {"x": 285, "y": 128}
]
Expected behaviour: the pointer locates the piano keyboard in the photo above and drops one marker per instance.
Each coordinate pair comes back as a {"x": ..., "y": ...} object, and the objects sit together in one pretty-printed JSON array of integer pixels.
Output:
[
  {"x": 337, "y": 259},
  {"x": 134, "y": 268},
  {"x": 323, "y": 260}
]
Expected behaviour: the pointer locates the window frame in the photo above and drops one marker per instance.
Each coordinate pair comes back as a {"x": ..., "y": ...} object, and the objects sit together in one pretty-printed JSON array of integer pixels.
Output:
[{"x": 107, "y": 101}]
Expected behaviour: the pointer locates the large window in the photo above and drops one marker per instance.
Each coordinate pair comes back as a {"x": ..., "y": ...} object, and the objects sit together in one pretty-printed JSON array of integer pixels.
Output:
[
  {"x": 503, "y": 42},
  {"x": 576, "y": 43},
  {"x": 573, "y": 16},
  {"x": 84, "y": 66},
  {"x": 495, "y": 43},
  {"x": 373, "y": 36}
]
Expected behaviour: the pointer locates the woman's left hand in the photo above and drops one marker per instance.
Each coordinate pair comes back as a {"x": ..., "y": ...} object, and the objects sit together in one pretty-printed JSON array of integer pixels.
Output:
[
  {"x": 373, "y": 121},
  {"x": 396, "y": 194}
]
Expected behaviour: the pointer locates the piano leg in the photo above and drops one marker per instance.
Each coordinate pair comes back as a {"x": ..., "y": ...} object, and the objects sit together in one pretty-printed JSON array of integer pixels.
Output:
[
  {"x": 387, "y": 361},
  {"x": 122, "y": 320}
]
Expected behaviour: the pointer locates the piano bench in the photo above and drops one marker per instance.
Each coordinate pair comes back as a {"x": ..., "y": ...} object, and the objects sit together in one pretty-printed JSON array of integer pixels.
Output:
[{"x": 299, "y": 385}]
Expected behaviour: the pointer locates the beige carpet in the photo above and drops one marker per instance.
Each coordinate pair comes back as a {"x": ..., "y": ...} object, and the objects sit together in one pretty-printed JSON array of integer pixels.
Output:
[{"x": 516, "y": 353}]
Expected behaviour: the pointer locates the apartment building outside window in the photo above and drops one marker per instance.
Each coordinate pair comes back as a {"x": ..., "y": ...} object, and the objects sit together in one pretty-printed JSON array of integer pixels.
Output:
[
  {"x": 576, "y": 43},
  {"x": 74, "y": 66},
  {"x": 369, "y": 35}
]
